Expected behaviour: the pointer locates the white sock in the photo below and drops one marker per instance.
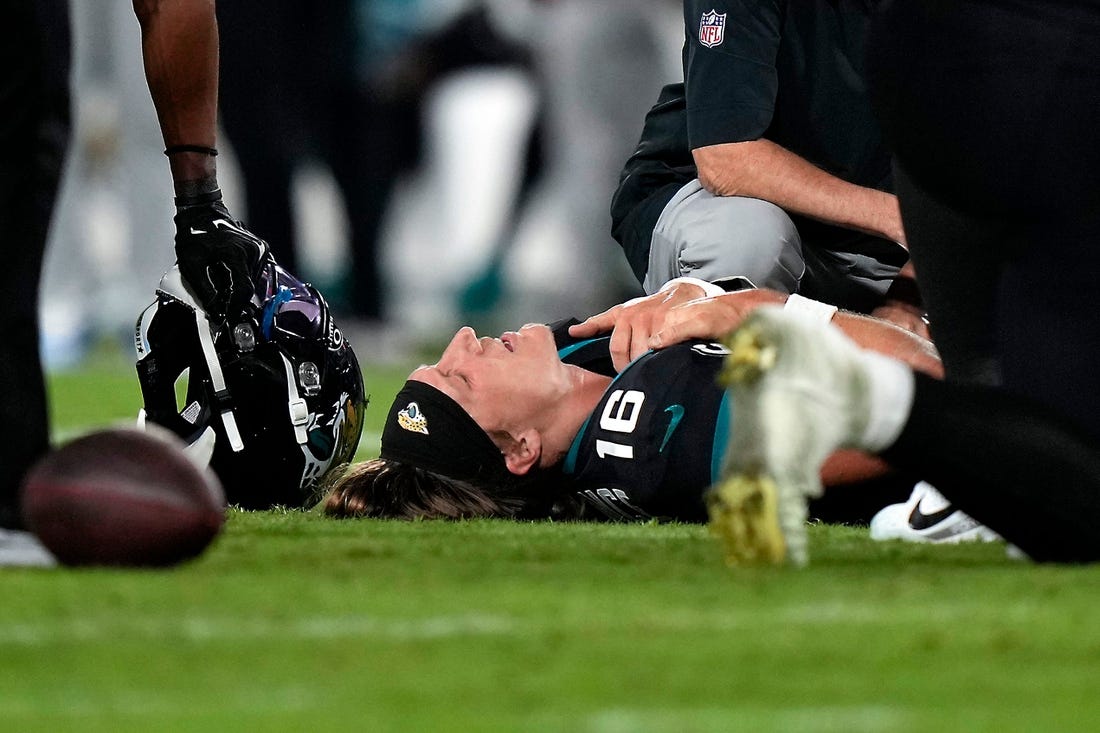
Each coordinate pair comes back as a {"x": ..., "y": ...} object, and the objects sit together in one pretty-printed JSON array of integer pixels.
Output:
[{"x": 890, "y": 398}]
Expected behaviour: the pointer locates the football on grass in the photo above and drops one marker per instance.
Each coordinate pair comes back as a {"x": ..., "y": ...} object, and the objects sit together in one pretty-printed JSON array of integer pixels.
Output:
[{"x": 122, "y": 497}]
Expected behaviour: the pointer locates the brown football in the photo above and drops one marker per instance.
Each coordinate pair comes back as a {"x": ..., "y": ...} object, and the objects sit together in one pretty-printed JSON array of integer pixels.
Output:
[{"x": 122, "y": 497}]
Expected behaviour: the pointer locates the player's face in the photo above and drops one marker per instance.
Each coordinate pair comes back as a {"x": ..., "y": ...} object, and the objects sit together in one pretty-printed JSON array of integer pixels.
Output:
[{"x": 502, "y": 382}]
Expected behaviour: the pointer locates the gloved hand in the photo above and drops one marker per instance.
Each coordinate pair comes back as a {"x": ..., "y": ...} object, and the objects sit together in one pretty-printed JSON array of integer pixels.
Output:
[{"x": 219, "y": 259}]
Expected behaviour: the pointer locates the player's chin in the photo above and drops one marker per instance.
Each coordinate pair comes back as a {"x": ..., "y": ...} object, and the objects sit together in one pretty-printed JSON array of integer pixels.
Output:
[
  {"x": 541, "y": 335},
  {"x": 538, "y": 331}
]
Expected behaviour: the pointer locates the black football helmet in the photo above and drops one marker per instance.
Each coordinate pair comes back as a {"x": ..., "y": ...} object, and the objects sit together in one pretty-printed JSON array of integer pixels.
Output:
[{"x": 274, "y": 396}]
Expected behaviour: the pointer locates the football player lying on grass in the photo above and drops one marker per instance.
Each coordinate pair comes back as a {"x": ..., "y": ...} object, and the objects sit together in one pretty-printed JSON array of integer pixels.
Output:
[{"x": 562, "y": 420}]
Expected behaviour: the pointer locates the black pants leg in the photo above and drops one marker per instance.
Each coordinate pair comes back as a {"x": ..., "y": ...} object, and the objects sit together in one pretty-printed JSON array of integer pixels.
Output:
[
  {"x": 34, "y": 133},
  {"x": 992, "y": 108},
  {"x": 1023, "y": 459},
  {"x": 959, "y": 291},
  {"x": 1011, "y": 464}
]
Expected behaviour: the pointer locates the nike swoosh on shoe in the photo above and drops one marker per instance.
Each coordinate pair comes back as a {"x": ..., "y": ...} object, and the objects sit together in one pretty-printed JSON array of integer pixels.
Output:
[{"x": 919, "y": 520}]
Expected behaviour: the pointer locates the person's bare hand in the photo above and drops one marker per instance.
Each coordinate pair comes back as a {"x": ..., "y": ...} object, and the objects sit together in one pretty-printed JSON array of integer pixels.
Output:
[
  {"x": 655, "y": 323},
  {"x": 632, "y": 323},
  {"x": 710, "y": 318}
]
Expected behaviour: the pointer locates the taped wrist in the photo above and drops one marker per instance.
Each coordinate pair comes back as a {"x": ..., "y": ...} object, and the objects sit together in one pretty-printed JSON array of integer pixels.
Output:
[
  {"x": 200, "y": 192},
  {"x": 815, "y": 309}
]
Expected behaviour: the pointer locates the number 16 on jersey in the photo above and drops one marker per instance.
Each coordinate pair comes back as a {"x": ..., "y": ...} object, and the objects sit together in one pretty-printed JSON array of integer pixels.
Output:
[{"x": 620, "y": 415}]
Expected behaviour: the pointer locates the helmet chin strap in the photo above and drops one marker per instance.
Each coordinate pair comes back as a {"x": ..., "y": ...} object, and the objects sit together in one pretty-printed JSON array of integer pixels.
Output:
[
  {"x": 217, "y": 379},
  {"x": 299, "y": 411}
]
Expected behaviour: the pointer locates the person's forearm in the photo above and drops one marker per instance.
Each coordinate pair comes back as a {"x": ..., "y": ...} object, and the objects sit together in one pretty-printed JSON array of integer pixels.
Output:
[
  {"x": 764, "y": 170},
  {"x": 179, "y": 41},
  {"x": 892, "y": 340}
]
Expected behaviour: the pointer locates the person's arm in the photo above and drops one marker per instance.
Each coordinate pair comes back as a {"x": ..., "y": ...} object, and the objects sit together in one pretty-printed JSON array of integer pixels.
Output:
[
  {"x": 219, "y": 259},
  {"x": 633, "y": 323},
  {"x": 764, "y": 170},
  {"x": 179, "y": 43},
  {"x": 714, "y": 317},
  {"x": 683, "y": 312}
]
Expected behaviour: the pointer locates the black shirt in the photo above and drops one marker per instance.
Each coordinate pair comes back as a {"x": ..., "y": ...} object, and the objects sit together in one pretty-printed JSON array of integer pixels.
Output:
[
  {"x": 790, "y": 71},
  {"x": 655, "y": 441}
]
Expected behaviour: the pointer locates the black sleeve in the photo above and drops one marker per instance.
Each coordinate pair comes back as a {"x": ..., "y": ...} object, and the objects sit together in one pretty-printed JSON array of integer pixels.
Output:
[
  {"x": 729, "y": 68},
  {"x": 593, "y": 354}
]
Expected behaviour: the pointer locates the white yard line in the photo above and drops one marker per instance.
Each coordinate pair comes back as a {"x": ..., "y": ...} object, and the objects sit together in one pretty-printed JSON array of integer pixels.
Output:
[{"x": 219, "y": 629}]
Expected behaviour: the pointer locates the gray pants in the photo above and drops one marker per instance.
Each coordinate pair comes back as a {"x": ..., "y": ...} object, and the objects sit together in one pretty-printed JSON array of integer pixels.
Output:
[{"x": 723, "y": 239}]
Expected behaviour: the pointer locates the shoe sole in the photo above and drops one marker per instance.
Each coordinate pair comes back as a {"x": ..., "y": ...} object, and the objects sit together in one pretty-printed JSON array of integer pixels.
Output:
[
  {"x": 747, "y": 507},
  {"x": 743, "y": 515}
]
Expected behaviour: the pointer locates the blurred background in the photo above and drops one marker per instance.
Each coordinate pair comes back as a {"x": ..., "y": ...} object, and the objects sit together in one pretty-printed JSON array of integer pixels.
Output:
[{"x": 426, "y": 163}]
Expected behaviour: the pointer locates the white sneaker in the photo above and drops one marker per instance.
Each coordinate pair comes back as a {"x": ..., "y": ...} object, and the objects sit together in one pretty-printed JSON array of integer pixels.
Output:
[
  {"x": 928, "y": 516},
  {"x": 798, "y": 392},
  {"x": 22, "y": 549}
]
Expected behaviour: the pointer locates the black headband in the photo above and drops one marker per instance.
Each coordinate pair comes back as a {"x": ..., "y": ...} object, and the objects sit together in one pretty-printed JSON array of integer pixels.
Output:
[{"x": 429, "y": 430}]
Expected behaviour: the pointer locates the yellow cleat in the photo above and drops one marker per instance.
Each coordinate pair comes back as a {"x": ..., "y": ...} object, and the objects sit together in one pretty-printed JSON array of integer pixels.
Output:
[
  {"x": 744, "y": 516},
  {"x": 796, "y": 394}
]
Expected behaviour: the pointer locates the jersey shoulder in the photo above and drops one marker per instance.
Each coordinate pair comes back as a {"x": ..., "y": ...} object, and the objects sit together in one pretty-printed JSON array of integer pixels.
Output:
[{"x": 593, "y": 354}]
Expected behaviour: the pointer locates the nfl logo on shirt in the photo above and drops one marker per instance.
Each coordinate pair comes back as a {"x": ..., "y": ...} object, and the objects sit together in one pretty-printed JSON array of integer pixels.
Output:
[{"x": 712, "y": 29}]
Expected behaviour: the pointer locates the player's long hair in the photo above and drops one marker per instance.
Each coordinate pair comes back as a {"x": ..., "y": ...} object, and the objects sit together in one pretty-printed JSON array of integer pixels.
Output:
[{"x": 386, "y": 488}]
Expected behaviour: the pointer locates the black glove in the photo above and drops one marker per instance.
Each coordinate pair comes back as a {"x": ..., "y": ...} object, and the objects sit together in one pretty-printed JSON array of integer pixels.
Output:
[{"x": 219, "y": 259}]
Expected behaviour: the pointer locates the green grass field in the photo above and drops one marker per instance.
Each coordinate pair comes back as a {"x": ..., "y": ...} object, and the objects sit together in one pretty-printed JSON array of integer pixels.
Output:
[{"x": 298, "y": 623}]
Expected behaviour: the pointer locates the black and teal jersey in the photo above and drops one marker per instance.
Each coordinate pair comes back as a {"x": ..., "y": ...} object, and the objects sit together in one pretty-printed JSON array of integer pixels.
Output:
[{"x": 654, "y": 442}]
